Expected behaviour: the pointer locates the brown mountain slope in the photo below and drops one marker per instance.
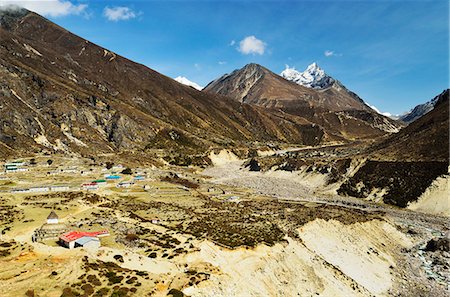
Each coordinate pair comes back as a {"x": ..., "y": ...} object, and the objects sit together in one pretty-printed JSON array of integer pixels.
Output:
[
  {"x": 257, "y": 85},
  {"x": 59, "y": 92},
  {"x": 426, "y": 139},
  {"x": 341, "y": 113},
  {"x": 404, "y": 165}
]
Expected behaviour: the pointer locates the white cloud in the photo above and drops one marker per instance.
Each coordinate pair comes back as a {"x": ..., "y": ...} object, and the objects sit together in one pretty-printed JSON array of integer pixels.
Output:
[
  {"x": 252, "y": 45},
  {"x": 232, "y": 42},
  {"x": 221, "y": 62},
  {"x": 329, "y": 53},
  {"x": 119, "y": 13},
  {"x": 52, "y": 8}
]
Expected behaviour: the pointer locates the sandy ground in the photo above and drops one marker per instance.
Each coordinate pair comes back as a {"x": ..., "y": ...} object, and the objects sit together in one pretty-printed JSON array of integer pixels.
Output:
[
  {"x": 330, "y": 260},
  {"x": 222, "y": 158},
  {"x": 436, "y": 199},
  {"x": 292, "y": 186},
  {"x": 358, "y": 250}
]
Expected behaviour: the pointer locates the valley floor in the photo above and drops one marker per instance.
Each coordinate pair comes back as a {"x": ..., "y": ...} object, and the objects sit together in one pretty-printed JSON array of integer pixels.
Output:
[{"x": 222, "y": 231}]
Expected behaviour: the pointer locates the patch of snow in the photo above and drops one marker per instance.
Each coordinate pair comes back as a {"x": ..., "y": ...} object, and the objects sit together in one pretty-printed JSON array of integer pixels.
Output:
[
  {"x": 20, "y": 98},
  {"x": 183, "y": 80},
  {"x": 60, "y": 146}
]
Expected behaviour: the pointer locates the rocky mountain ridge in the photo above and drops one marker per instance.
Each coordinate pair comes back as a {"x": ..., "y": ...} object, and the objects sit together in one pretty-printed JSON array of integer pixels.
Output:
[
  {"x": 341, "y": 113},
  {"x": 421, "y": 109}
]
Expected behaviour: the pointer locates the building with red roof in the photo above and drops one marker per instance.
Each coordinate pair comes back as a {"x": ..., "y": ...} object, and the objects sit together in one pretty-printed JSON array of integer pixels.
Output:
[{"x": 75, "y": 239}]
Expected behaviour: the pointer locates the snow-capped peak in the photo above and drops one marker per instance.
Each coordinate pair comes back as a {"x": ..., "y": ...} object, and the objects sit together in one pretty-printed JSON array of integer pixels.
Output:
[
  {"x": 314, "y": 68},
  {"x": 313, "y": 77},
  {"x": 183, "y": 80}
]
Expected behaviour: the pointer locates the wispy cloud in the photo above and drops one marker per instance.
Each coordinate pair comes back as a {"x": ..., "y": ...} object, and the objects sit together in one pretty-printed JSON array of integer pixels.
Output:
[
  {"x": 329, "y": 53},
  {"x": 252, "y": 45},
  {"x": 232, "y": 42},
  {"x": 221, "y": 62},
  {"x": 119, "y": 13},
  {"x": 52, "y": 8}
]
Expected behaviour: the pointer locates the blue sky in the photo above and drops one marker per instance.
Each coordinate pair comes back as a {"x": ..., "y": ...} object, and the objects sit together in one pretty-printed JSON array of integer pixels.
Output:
[{"x": 394, "y": 54}]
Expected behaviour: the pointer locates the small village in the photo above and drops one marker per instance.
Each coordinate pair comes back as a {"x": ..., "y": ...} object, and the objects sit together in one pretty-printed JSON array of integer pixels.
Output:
[
  {"x": 112, "y": 175},
  {"x": 130, "y": 217},
  {"x": 47, "y": 179}
]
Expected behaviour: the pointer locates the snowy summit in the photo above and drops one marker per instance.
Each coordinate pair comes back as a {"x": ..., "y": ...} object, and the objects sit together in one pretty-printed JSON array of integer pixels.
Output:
[
  {"x": 183, "y": 80},
  {"x": 313, "y": 77}
]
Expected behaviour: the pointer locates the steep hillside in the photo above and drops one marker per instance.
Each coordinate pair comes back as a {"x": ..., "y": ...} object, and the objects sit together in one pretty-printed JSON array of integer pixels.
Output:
[
  {"x": 60, "y": 92},
  {"x": 404, "y": 165},
  {"x": 425, "y": 139}
]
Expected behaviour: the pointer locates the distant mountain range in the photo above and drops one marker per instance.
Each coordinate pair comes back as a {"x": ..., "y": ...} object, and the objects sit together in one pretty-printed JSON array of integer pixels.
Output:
[{"x": 62, "y": 93}]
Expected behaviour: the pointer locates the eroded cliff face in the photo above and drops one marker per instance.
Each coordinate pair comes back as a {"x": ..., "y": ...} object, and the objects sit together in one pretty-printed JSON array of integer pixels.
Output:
[{"x": 327, "y": 258}]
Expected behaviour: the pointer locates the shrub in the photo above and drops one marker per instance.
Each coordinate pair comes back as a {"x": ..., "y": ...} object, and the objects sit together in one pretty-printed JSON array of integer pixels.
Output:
[
  {"x": 127, "y": 171},
  {"x": 175, "y": 293},
  {"x": 131, "y": 237}
]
